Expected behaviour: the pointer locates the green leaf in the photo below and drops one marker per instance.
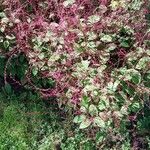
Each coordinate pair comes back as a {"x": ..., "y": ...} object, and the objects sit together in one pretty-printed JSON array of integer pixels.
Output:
[
  {"x": 2, "y": 29},
  {"x": 147, "y": 17},
  {"x": 127, "y": 89},
  {"x": 136, "y": 79},
  {"x": 79, "y": 118},
  {"x": 85, "y": 101},
  {"x": 41, "y": 56},
  {"x": 134, "y": 107},
  {"x": 85, "y": 64},
  {"x": 93, "y": 110},
  {"x": 2, "y": 15},
  {"x": 106, "y": 38},
  {"x": 91, "y": 44},
  {"x": 101, "y": 105},
  {"x": 120, "y": 97},
  {"x": 68, "y": 2},
  {"x": 123, "y": 110},
  {"x": 124, "y": 44},
  {"x": 99, "y": 122},
  {"x": 8, "y": 88},
  {"x": 6, "y": 44},
  {"x": 83, "y": 109},
  {"x": 35, "y": 71},
  {"x": 10, "y": 37},
  {"x": 91, "y": 36},
  {"x": 100, "y": 136},
  {"x": 22, "y": 59},
  {"x": 133, "y": 75},
  {"x": 112, "y": 47},
  {"x": 54, "y": 57},
  {"x": 142, "y": 63},
  {"x": 94, "y": 19},
  {"x": 136, "y": 4},
  {"x": 85, "y": 123},
  {"x": 112, "y": 87}
]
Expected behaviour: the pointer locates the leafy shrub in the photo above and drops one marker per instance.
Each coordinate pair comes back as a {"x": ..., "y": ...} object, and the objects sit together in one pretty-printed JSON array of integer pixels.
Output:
[{"x": 91, "y": 52}]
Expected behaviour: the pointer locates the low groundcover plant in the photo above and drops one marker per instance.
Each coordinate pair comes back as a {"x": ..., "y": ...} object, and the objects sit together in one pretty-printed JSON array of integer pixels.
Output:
[{"x": 95, "y": 51}]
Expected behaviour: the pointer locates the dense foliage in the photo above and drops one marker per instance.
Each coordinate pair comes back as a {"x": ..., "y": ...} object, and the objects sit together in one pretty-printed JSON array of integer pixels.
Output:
[
  {"x": 26, "y": 123},
  {"x": 93, "y": 56}
]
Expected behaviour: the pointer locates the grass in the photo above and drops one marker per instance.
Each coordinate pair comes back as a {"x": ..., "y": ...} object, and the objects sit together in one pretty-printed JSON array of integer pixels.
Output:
[{"x": 29, "y": 123}]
